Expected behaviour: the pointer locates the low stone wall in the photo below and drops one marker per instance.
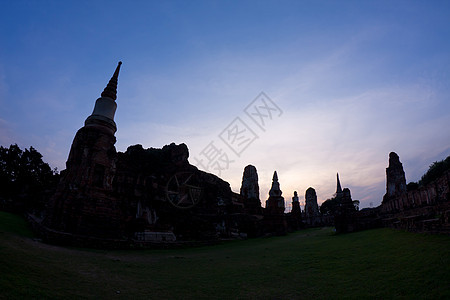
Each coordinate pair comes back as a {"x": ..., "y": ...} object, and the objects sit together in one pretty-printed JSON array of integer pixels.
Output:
[
  {"x": 435, "y": 219},
  {"x": 368, "y": 218},
  {"x": 155, "y": 236},
  {"x": 51, "y": 236}
]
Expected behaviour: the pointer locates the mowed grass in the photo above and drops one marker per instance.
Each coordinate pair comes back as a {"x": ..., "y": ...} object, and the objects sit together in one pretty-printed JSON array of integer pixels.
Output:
[{"x": 308, "y": 264}]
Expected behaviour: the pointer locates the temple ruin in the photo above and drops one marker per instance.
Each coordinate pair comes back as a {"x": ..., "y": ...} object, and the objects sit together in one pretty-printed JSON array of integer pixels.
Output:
[
  {"x": 312, "y": 214},
  {"x": 143, "y": 196},
  {"x": 274, "y": 218},
  {"x": 422, "y": 208},
  {"x": 250, "y": 190},
  {"x": 294, "y": 218},
  {"x": 395, "y": 177}
]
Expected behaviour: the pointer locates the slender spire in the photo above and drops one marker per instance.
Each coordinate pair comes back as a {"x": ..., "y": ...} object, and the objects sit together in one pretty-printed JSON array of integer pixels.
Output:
[
  {"x": 338, "y": 187},
  {"x": 275, "y": 189},
  {"x": 110, "y": 90}
]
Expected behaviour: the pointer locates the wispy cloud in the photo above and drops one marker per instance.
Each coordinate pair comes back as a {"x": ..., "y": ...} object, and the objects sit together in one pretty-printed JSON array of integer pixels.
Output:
[{"x": 351, "y": 135}]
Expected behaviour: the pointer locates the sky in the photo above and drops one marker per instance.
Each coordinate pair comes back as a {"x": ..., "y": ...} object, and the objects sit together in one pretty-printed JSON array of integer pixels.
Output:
[{"x": 306, "y": 88}]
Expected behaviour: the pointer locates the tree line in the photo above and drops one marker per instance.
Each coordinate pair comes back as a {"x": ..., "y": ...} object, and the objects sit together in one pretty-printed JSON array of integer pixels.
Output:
[
  {"x": 26, "y": 181},
  {"x": 436, "y": 170}
]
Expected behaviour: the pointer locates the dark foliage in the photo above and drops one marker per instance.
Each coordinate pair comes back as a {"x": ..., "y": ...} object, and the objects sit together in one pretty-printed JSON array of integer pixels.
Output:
[
  {"x": 329, "y": 206},
  {"x": 437, "y": 169},
  {"x": 25, "y": 180},
  {"x": 412, "y": 186}
]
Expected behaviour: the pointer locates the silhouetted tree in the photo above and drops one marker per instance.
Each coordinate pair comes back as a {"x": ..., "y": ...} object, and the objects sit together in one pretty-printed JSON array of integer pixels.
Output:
[
  {"x": 435, "y": 171},
  {"x": 25, "y": 180},
  {"x": 329, "y": 206},
  {"x": 412, "y": 186},
  {"x": 356, "y": 204}
]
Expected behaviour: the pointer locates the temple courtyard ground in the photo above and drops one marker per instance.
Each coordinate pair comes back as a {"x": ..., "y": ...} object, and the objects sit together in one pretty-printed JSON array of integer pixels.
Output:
[{"x": 308, "y": 264}]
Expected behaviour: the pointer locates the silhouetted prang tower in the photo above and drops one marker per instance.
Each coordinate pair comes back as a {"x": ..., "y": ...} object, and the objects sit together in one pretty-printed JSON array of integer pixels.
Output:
[
  {"x": 312, "y": 213},
  {"x": 84, "y": 202},
  {"x": 275, "y": 203},
  {"x": 344, "y": 218},
  {"x": 295, "y": 216},
  {"x": 395, "y": 178},
  {"x": 296, "y": 210},
  {"x": 274, "y": 217},
  {"x": 250, "y": 191}
]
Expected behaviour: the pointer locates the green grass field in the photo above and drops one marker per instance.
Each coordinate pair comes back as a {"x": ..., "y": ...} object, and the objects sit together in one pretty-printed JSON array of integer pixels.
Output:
[{"x": 309, "y": 264}]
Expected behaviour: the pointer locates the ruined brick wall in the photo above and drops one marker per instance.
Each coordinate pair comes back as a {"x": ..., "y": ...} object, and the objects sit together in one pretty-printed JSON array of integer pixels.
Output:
[
  {"x": 84, "y": 202},
  {"x": 435, "y": 193},
  {"x": 159, "y": 187},
  {"x": 424, "y": 209},
  {"x": 112, "y": 195}
]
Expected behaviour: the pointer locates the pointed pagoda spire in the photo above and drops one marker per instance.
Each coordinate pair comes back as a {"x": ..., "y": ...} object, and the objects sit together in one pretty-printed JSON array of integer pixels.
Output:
[
  {"x": 110, "y": 90},
  {"x": 275, "y": 189},
  {"x": 338, "y": 187},
  {"x": 275, "y": 177},
  {"x": 105, "y": 106}
]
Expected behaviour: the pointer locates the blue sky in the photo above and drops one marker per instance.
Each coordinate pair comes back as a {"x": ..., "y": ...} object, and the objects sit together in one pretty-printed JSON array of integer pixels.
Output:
[{"x": 354, "y": 80}]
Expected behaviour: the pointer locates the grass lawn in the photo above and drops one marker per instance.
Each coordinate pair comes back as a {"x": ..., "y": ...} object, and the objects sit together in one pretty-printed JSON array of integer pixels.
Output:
[{"x": 308, "y": 264}]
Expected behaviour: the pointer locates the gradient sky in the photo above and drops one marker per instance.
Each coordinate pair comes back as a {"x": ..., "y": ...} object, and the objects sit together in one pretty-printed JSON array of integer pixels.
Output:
[{"x": 354, "y": 80}]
